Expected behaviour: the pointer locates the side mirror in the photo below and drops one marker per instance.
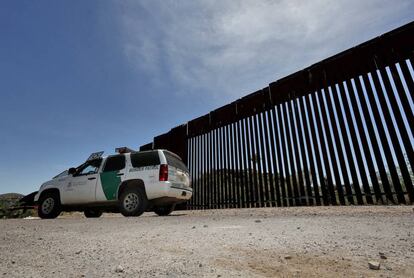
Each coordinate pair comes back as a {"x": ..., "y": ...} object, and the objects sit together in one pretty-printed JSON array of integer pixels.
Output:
[{"x": 71, "y": 171}]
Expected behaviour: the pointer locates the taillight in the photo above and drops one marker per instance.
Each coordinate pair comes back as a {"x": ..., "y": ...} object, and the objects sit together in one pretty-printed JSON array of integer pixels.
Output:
[{"x": 163, "y": 172}]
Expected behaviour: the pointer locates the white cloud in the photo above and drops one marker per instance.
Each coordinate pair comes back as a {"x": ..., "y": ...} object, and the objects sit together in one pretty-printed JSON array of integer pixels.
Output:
[{"x": 231, "y": 48}]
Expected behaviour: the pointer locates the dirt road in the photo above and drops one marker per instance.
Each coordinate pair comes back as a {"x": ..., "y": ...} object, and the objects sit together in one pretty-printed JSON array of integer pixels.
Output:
[{"x": 269, "y": 242}]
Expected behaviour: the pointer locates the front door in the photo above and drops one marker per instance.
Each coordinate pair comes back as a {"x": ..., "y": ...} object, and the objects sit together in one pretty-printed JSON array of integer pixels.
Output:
[{"x": 80, "y": 189}]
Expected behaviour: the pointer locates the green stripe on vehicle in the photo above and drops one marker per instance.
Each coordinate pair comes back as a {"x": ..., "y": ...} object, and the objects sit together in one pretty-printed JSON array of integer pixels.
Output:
[{"x": 110, "y": 182}]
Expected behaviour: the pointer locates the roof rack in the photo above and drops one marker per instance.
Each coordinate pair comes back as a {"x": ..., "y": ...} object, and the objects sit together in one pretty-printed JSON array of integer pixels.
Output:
[{"x": 95, "y": 156}]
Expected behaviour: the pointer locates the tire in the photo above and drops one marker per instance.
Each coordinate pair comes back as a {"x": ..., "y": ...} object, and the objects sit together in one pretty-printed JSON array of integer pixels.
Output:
[
  {"x": 164, "y": 210},
  {"x": 133, "y": 202},
  {"x": 92, "y": 213},
  {"x": 49, "y": 206}
]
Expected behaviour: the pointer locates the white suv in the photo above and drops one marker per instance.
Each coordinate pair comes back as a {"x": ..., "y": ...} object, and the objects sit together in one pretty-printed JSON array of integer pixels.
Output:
[{"x": 129, "y": 182}]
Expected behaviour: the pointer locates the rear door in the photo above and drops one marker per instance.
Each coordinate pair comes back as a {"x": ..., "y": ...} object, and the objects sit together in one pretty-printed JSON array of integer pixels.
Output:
[{"x": 110, "y": 178}]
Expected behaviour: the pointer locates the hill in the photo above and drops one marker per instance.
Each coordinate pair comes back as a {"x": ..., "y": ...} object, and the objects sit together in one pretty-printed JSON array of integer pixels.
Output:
[
  {"x": 11, "y": 196},
  {"x": 9, "y": 200}
]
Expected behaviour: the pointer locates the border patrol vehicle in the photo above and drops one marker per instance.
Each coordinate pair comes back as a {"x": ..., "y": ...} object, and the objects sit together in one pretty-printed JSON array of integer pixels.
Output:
[{"x": 128, "y": 182}]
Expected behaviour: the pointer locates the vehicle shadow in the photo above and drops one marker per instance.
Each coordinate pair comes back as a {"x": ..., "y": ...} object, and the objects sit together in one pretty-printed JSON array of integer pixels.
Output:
[{"x": 171, "y": 215}]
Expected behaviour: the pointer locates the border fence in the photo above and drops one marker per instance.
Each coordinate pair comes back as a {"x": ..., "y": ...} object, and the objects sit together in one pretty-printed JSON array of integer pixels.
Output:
[{"x": 339, "y": 132}]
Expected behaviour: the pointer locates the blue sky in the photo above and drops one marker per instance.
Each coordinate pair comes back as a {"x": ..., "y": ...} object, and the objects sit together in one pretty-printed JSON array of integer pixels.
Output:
[{"x": 83, "y": 76}]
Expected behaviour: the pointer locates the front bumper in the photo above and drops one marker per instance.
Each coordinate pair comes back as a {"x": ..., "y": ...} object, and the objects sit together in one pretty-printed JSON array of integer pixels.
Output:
[{"x": 36, "y": 197}]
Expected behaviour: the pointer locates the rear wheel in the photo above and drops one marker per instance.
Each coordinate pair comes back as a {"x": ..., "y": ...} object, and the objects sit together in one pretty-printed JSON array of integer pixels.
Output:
[
  {"x": 164, "y": 210},
  {"x": 133, "y": 201},
  {"x": 92, "y": 213},
  {"x": 49, "y": 206}
]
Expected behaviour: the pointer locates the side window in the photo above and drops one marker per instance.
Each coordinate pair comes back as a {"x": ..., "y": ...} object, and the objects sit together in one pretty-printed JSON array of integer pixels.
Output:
[
  {"x": 88, "y": 168},
  {"x": 114, "y": 163},
  {"x": 145, "y": 159}
]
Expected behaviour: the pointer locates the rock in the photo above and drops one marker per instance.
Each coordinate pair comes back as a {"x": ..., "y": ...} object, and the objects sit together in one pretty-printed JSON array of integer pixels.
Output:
[
  {"x": 205, "y": 226},
  {"x": 374, "y": 265},
  {"x": 193, "y": 227},
  {"x": 288, "y": 257},
  {"x": 200, "y": 265},
  {"x": 298, "y": 228},
  {"x": 119, "y": 269},
  {"x": 382, "y": 255},
  {"x": 258, "y": 221},
  {"x": 78, "y": 252}
]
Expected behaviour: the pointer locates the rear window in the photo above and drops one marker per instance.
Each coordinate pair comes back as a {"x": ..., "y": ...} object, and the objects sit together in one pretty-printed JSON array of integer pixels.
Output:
[
  {"x": 145, "y": 159},
  {"x": 114, "y": 163},
  {"x": 175, "y": 162}
]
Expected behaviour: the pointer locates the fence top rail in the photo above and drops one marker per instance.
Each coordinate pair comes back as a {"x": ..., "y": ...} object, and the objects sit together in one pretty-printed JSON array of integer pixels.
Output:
[{"x": 379, "y": 52}]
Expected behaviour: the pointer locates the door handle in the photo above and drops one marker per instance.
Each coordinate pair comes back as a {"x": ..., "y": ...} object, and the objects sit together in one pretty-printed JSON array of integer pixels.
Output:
[
  {"x": 120, "y": 174},
  {"x": 92, "y": 178}
]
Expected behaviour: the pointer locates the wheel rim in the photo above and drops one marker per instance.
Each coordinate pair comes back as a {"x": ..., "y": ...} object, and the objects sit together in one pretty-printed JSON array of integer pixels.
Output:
[
  {"x": 131, "y": 202},
  {"x": 48, "y": 205}
]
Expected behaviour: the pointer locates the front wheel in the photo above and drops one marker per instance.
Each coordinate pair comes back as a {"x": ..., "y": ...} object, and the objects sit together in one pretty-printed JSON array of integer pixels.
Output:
[
  {"x": 92, "y": 213},
  {"x": 49, "y": 206},
  {"x": 133, "y": 201},
  {"x": 164, "y": 210}
]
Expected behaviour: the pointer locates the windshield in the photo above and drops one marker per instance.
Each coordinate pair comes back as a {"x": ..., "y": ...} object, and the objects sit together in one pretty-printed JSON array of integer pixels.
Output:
[{"x": 64, "y": 173}]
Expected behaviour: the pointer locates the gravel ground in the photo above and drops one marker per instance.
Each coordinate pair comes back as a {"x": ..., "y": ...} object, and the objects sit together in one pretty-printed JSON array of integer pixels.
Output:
[{"x": 267, "y": 242}]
